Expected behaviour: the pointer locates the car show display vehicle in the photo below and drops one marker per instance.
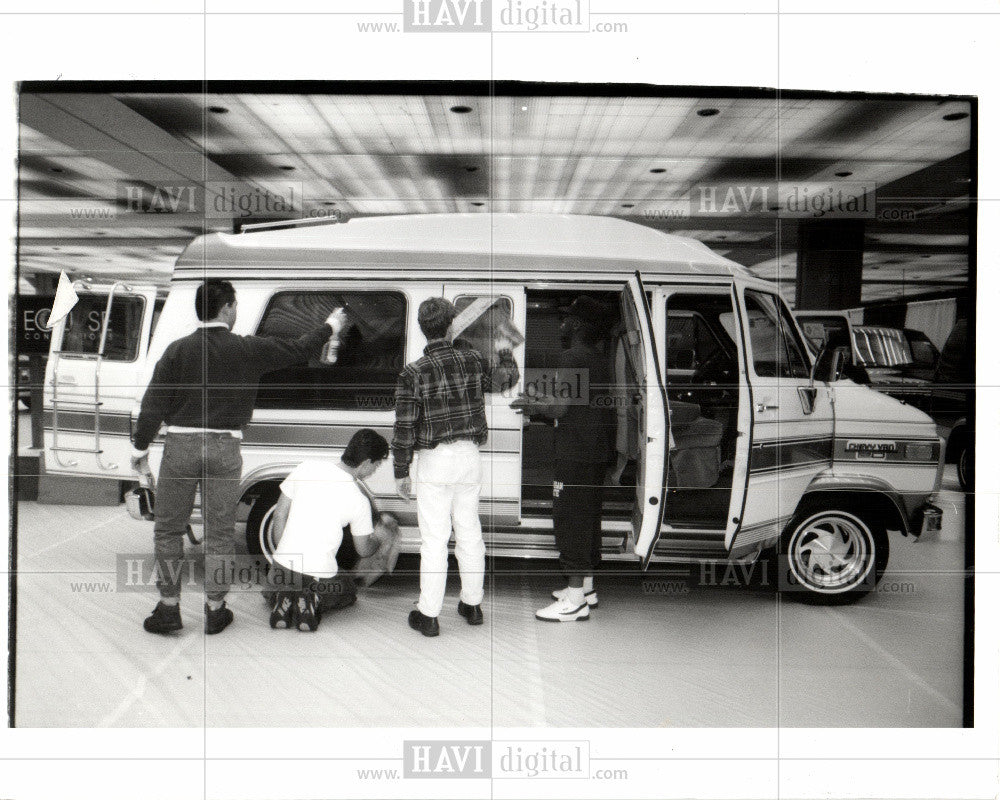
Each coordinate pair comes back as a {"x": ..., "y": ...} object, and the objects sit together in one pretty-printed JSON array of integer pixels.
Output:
[{"x": 741, "y": 445}]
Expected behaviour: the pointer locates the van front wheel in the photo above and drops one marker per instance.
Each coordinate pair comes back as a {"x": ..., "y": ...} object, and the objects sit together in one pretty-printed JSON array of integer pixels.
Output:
[
  {"x": 833, "y": 557},
  {"x": 260, "y": 541}
]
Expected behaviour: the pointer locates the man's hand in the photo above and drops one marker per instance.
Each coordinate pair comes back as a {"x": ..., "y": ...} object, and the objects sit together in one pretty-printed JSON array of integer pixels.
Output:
[
  {"x": 403, "y": 488},
  {"x": 140, "y": 466},
  {"x": 524, "y": 404},
  {"x": 337, "y": 320}
]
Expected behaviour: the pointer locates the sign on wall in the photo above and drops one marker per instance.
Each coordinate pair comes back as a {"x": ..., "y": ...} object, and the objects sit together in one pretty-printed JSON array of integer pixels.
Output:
[{"x": 33, "y": 334}]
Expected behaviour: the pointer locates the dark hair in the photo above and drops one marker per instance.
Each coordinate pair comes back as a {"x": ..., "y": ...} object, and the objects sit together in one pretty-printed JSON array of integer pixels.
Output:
[
  {"x": 366, "y": 444},
  {"x": 211, "y": 296},
  {"x": 434, "y": 317}
]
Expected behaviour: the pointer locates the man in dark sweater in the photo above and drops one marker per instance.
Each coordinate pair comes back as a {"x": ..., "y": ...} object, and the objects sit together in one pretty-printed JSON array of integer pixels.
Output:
[{"x": 203, "y": 388}]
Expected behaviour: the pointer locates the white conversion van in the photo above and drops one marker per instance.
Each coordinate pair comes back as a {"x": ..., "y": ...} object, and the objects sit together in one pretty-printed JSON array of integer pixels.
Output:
[{"x": 737, "y": 444}]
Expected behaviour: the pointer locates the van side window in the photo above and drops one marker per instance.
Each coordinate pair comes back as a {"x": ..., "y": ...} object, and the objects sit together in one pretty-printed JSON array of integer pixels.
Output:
[
  {"x": 369, "y": 360},
  {"x": 82, "y": 332},
  {"x": 776, "y": 350},
  {"x": 493, "y": 328}
]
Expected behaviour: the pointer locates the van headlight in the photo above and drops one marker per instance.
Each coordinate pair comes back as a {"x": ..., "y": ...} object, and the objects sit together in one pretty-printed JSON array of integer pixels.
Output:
[{"x": 920, "y": 452}]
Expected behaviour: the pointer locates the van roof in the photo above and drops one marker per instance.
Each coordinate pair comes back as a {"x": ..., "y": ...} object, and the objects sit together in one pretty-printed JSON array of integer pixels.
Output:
[{"x": 488, "y": 242}]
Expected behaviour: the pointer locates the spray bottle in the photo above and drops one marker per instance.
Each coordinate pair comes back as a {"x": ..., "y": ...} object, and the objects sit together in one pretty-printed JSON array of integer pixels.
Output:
[{"x": 338, "y": 321}]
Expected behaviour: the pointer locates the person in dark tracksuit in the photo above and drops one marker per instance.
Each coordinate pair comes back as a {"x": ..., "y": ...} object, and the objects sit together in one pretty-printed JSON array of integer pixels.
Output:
[
  {"x": 203, "y": 388},
  {"x": 584, "y": 446}
]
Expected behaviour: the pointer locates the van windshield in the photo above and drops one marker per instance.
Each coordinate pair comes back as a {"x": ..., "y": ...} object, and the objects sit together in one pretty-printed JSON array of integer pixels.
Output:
[{"x": 882, "y": 347}]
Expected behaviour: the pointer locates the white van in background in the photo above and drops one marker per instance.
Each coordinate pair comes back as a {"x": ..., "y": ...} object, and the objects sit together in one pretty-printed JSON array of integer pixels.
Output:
[{"x": 740, "y": 444}]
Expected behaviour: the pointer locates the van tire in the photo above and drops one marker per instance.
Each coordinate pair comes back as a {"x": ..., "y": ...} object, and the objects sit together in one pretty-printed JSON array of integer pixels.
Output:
[
  {"x": 966, "y": 466},
  {"x": 258, "y": 519},
  {"x": 829, "y": 556}
]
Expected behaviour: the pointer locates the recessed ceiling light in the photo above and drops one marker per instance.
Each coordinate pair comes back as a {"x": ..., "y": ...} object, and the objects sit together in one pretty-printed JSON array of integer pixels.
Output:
[
  {"x": 843, "y": 174},
  {"x": 524, "y": 108},
  {"x": 657, "y": 170},
  {"x": 218, "y": 109},
  {"x": 955, "y": 116},
  {"x": 287, "y": 167},
  {"x": 707, "y": 112},
  {"x": 628, "y": 205},
  {"x": 460, "y": 109}
]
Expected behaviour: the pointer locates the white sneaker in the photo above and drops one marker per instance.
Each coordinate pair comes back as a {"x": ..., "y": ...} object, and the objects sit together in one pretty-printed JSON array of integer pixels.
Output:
[
  {"x": 590, "y": 597},
  {"x": 564, "y": 611}
]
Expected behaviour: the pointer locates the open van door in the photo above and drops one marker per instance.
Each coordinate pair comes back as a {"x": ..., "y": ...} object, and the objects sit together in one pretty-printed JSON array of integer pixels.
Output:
[
  {"x": 650, "y": 397},
  {"x": 92, "y": 377}
]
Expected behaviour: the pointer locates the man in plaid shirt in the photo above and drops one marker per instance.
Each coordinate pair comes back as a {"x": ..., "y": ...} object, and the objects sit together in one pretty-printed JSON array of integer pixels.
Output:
[{"x": 440, "y": 411}]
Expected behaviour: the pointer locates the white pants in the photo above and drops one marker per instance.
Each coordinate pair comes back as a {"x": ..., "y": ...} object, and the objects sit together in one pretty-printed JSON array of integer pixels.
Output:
[{"x": 447, "y": 485}]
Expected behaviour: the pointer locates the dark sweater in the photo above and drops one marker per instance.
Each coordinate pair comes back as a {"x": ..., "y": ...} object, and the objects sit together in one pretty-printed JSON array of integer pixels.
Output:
[{"x": 209, "y": 378}]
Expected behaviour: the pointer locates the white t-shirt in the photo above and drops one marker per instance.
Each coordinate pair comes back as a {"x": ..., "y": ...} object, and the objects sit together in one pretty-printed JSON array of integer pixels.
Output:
[{"x": 324, "y": 499}]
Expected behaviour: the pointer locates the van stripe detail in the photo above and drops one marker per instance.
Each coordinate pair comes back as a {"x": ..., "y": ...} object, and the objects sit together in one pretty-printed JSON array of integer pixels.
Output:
[
  {"x": 794, "y": 453},
  {"x": 83, "y": 422},
  {"x": 774, "y": 455},
  {"x": 272, "y": 434}
]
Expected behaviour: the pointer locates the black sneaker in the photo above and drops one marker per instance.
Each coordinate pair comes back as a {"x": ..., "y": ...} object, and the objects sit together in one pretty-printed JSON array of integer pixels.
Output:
[
  {"x": 216, "y": 621},
  {"x": 473, "y": 614},
  {"x": 164, "y": 619},
  {"x": 283, "y": 612},
  {"x": 428, "y": 626},
  {"x": 307, "y": 611}
]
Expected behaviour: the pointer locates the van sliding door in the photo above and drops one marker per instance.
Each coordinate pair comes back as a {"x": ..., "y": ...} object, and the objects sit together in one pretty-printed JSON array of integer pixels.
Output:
[
  {"x": 650, "y": 397},
  {"x": 491, "y": 317}
]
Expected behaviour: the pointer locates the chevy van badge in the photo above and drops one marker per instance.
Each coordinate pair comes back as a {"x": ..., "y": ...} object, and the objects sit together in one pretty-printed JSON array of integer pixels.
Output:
[{"x": 871, "y": 446}]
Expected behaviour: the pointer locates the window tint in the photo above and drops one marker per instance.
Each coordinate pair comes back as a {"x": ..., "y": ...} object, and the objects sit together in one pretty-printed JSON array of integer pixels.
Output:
[
  {"x": 82, "y": 333},
  {"x": 773, "y": 342},
  {"x": 372, "y": 348},
  {"x": 690, "y": 342}
]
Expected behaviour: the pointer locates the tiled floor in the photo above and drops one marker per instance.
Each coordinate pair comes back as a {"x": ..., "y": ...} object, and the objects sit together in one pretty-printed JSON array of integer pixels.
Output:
[{"x": 695, "y": 656}]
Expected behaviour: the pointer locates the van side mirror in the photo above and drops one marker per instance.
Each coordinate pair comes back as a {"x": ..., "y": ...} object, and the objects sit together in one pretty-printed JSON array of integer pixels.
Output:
[{"x": 830, "y": 364}]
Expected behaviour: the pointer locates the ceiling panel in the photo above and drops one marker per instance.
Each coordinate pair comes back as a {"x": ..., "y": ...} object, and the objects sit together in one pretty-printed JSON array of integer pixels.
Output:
[{"x": 635, "y": 157}]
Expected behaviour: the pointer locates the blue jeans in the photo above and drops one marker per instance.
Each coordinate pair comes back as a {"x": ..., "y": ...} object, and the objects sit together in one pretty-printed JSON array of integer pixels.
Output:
[{"x": 212, "y": 460}]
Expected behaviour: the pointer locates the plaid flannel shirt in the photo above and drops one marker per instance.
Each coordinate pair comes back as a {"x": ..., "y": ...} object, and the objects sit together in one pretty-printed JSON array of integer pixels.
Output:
[{"x": 440, "y": 398}]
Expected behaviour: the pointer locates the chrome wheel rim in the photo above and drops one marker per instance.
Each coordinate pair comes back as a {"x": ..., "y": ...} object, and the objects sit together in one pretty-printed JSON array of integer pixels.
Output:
[
  {"x": 265, "y": 537},
  {"x": 831, "y": 553}
]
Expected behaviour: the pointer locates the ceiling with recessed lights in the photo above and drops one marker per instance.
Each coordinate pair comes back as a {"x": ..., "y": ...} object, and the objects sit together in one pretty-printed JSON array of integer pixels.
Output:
[{"x": 103, "y": 176}]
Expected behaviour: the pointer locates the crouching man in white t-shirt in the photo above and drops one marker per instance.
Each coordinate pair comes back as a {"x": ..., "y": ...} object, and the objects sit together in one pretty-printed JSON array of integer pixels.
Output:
[{"x": 318, "y": 500}]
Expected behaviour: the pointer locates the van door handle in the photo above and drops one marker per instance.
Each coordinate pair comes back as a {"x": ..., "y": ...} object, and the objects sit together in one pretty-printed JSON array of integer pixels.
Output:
[{"x": 766, "y": 407}]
